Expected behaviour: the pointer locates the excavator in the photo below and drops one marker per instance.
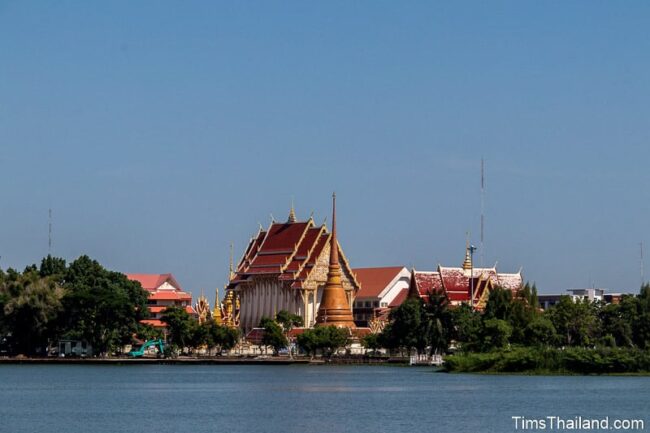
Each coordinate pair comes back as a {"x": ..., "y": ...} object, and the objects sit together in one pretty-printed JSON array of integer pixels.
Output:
[{"x": 155, "y": 343}]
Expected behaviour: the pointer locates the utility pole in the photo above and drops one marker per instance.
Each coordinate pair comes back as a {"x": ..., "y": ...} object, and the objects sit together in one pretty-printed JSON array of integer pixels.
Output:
[
  {"x": 482, "y": 208},
  {"x": 641, "y": 263}
]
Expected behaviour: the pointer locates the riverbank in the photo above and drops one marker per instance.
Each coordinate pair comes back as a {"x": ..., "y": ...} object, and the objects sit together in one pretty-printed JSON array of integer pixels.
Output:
[
  {"x": 554, "y": 361},
  {"x": 278, "y": 360}
]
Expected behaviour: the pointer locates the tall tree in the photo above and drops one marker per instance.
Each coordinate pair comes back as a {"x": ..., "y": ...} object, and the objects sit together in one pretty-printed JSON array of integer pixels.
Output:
[
  {"x": 407, "y": 327},
  {"x": 180, "y": 327},
  {"x": 30, "y": 307},
  {"x": 102, "y": 307},
  {"x": 438, "y": 324}
]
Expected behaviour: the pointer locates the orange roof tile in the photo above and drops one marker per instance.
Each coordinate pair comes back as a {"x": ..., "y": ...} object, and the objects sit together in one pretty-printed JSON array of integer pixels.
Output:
[{"x": 374, "y": 280}]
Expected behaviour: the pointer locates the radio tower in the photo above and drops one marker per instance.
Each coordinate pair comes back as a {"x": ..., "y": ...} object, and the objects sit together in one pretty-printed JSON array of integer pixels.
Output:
[
  {"x": 49, "y": 232},
  {"x": 641, "y": 262},
  {"x": 482, "y": 208}
]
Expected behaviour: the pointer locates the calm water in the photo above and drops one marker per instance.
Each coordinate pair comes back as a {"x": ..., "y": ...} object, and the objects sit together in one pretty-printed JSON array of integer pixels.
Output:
[{"x": 284, "y": 399}]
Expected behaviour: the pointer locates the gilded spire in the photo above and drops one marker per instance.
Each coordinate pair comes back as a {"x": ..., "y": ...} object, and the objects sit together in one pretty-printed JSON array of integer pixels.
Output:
[
  {"x": 334, "y": 309},
  {"x": 292, "y": 214},
  {"x": 467, "y": 264},
  {"x": 231, "y": 273},
  {"x": 334, "y": 250},
  {"x": 216, "y": 313}
]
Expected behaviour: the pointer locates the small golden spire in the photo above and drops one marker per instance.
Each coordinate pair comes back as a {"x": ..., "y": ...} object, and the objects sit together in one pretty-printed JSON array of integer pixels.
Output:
[
  {"x": 231, "y": 273},
  {"x": 467, "y": 264},
  {"x": 292, "y": 213},
  {"x": 216, "y": 313}
]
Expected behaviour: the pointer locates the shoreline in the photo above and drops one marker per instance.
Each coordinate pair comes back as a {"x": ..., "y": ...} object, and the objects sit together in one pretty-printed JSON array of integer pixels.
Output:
[{"x": 198, "y": 361}]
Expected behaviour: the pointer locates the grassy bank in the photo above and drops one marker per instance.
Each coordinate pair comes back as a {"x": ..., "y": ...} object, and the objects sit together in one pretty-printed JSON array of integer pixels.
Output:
[{"x": 529, "y": 360}]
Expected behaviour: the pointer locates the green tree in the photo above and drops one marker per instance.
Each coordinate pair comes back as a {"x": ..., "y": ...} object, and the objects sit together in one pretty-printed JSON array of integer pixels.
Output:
[
  {"x": 467, "y": 327},
  {"x": 371, "y": 342},
  {"x": 330, "y": 339},
  {"x": 30, "y": 307},
  {"x": 437, "y": 322},
  {"x": 540, "y": 332},
  {"x": 523, "y": 311},
  {"x": 273, "y": 335},
  {"x": 496, "y": 333},
  {"x": 407, "y": 327},
  {"x": 615, "y": 326},
  {"x": 499, "y": 304},
  {"x": 101, "y": 307},
  {"x": 180, "y": 327},
  {"x": 288, "y": 321},
  {"x": 576, "y": 322},
  {"x": 327, "y": 339},
  {"x": 308, "y": 341},
  {"x": 53, "y": 266}
]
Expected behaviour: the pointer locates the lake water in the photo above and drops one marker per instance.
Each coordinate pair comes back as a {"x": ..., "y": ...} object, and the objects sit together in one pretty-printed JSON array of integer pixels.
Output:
[{"x": 285, "y": 399}]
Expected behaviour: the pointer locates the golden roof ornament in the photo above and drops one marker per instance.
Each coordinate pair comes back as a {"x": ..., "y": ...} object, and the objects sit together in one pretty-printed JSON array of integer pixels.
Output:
[
  {"x": 467, "y": 264},
  {"x": 217, "y": 314},
  {"x": 292, "y": 214}
]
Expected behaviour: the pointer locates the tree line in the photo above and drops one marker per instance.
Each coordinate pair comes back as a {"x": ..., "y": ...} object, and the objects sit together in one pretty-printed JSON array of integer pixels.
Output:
[
  {"x": 84, "y": 301},
  {"x": 514, "y": 319}
]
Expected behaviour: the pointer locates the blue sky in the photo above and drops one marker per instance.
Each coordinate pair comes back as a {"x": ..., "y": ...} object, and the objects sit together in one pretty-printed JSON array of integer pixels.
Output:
[{"x": 159, "y": 132}]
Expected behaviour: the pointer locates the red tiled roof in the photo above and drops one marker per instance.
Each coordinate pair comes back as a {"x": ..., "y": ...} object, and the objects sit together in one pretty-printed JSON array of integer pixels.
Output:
[
  {"x": 170, "y": 296},
  {"x": 456, "y": 283},
  {"x": 401, "y": 296},
  {"x": 287, "y": 251},
  {"x": 153, "y": 322},
  {"x": 374, "y": 280},
  {"x": 151, "y": 282},
  {"x": 255, "y": 336}
]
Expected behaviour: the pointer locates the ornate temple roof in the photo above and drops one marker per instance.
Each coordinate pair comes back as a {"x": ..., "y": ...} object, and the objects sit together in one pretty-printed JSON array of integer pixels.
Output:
[
  {"x": 285, "y": 250},
  {"x": 456, "y": 282}
]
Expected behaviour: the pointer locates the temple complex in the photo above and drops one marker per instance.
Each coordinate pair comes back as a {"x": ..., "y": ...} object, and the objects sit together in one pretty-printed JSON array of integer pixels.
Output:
[{"x": 288, "y": 266}]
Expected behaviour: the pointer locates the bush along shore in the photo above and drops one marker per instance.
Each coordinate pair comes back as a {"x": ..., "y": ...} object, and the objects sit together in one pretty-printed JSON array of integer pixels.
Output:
[{"x": 550, "y": 360}]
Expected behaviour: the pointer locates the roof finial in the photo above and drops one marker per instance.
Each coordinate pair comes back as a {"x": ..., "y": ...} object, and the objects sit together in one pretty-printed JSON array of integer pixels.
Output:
[
  {"x": 272, "y": 219},
  {"x": 231, "y": 273},
  {"x": 334, "y": 250},
  {"x": 467, "y": 264},
  {"x": 292, "y": 213}
]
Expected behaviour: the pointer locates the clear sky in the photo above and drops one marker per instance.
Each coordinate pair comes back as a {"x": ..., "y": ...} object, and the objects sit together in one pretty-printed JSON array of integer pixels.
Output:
[{"x": 159, "y": 132}]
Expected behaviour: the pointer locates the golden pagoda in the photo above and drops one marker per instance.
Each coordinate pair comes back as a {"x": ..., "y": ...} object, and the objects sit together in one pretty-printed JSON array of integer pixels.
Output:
[
  {"x": 217, "y": 313},
  {"x": 334, "y": 309},
  {"x": 202, "y": 308}
]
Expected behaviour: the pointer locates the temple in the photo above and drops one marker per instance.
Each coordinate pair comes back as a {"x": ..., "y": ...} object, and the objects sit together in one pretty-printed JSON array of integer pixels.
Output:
[
  {"x": 287, "y": 267},
  {"x": 465, "y": 284}
]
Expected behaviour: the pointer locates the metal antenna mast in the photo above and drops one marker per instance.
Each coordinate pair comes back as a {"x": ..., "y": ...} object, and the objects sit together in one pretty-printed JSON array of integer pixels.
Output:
[
  {"x": 641, "y": 262},
  {"x": 49, "y": 232},
  {"x": 482, "y": 209}
]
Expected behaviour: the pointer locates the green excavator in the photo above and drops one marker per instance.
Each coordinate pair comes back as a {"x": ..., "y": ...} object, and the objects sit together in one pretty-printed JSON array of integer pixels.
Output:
[{"x": 155, "y": 343}]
